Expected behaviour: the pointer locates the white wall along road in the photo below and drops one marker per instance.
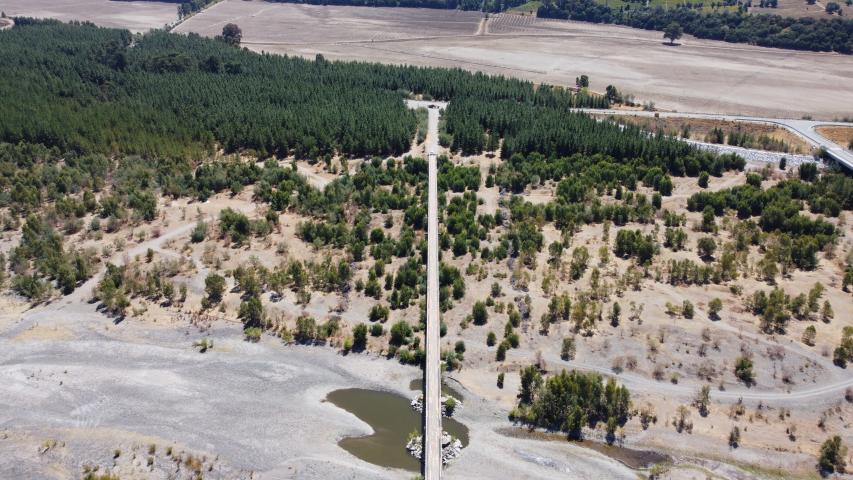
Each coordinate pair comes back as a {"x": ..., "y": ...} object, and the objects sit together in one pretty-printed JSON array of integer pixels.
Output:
[{"x": 807, "y": 129}]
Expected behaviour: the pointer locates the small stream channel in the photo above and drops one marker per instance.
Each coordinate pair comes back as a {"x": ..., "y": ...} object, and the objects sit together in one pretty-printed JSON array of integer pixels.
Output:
[{"x": 392, "y": 419}]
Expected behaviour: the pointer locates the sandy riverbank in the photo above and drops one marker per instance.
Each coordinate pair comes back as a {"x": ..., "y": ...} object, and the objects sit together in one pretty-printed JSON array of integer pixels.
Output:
[{"x": 79, "y": 388}]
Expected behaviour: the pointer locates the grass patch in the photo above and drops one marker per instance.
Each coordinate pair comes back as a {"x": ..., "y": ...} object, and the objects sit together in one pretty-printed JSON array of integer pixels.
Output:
[
  {"x": 775, "y": 473},
  {"x": 422, "y": 115},
  {"x": 528, "y": 8},
  {"x": 767, "y": 472}
]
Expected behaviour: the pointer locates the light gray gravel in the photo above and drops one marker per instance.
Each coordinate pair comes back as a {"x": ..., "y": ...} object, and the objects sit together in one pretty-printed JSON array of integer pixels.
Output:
[
  {"x": 751, "y": 155},
  {"x": 252, "y": 410}
]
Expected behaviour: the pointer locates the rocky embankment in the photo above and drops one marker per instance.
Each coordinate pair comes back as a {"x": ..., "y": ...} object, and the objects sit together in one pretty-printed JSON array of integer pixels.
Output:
[
  {"x": 451, "y": 447},
  {"x": 751, "y": 155},
  {"x": 448, "y": 405}
]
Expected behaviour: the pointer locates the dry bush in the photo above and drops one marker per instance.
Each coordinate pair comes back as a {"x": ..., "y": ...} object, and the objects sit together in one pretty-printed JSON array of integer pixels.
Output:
[
  {"x": 618, "y": 364},
  {"x": 776, "y": 352},
  {"x": 658, "y": 372}
]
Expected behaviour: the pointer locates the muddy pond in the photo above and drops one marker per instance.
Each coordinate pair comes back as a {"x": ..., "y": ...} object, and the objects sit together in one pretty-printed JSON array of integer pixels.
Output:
[{"x": 392, "y": 419}]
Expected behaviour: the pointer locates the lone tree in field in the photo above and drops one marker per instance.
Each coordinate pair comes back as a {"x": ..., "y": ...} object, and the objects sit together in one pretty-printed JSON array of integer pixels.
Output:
[
  {"x": 673, "y": 32},
  {"x": 232, "y": 35}
]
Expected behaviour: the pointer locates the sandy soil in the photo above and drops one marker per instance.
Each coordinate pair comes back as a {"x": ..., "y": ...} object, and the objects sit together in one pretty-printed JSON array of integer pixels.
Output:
[
  {"x": 699, "y": 75},
  {"x": 840, "y": 135},
  {"x": 135, "y": 16}
]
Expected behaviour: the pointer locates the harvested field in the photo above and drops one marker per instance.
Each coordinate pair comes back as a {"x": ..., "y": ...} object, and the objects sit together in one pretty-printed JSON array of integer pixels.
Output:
[
  {"x": 840, "y": 135},
  {"x": 289, "y": 25},
  {"x": 134, "y": 16},
  {"x": 777, "y": 138},
  {"x": 699, "y": 75}
]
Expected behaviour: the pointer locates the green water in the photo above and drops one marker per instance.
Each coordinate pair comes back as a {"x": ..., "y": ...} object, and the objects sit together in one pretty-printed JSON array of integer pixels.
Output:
[{"x": 392, "y": 418}]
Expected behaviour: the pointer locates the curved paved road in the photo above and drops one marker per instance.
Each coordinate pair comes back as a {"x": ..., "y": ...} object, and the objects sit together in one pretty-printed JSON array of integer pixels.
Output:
[{"x": 807, "y": 129}]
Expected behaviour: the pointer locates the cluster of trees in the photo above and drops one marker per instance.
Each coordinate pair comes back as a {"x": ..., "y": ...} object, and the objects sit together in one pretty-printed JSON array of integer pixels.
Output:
[
  {"x": 451, "y": 285},
  {"x": 632, "y": 243},
  {"x": 651, "y": 163},
  {"x": 309, "y": 331},
  {"x": 744, "y": 139},
  {"x": 843, "y": 353},
  {"x": 544, "y": 122},
  {"x": 122, "y": 283},
  {"x": 777, "y": 307},
  {"x": 778, "y": 209},
  {"x": 675, "y": 239},
  {"x": 480, "y": 315},
  {"x": 84, "y": 89},
  {"x": 186, "y": 7},
  {"x": 559, "y": 310},
  {"x": 41, "y": 261},
  {"x": 688, "y": 272},
  {"x": 570, "y": 400},
  {"x": 32, "y": 175},
  {"x": 834, "y": 34},
  {"x": 463, "y": 231},
  {"x": 237, "y": 227},
  {"x": 456, "y": 178},
  {"x": 326, "y": 275},
  {"x": 833, "y": 454},
  {"x": 65, "y": 187},
  {"x": 407, "y": 284}
]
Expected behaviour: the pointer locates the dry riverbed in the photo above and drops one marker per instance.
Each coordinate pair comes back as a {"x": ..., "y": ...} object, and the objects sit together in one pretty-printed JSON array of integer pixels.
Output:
[{"x": 137, "y": 399}]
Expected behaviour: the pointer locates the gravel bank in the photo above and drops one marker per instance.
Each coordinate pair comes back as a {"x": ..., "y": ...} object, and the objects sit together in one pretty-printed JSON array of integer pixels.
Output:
[{"x": 750, "y": 155}]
